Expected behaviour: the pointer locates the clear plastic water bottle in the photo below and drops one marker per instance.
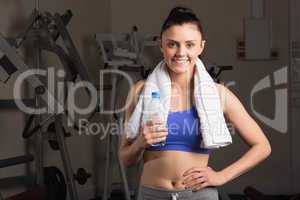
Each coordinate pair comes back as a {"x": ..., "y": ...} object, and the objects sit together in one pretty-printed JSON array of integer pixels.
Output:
[{"x": 156, "y": 112}]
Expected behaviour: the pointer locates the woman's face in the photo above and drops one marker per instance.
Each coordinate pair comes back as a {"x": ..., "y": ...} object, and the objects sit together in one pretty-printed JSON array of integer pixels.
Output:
[{"x": 181, "y": 45}]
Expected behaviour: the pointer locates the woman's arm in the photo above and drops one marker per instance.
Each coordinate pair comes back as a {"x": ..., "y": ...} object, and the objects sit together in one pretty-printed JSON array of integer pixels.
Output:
[
  {"x": 131, "y": 152},
  {"x": 249, "y": 131},
  {"x": 200, "y": 177}
]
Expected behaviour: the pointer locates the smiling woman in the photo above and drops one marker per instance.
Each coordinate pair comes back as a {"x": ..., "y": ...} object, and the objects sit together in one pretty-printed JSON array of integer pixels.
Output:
[
  {"x": 180, "y": 46},
  {"x": 179, "y": 169},
  {"x": 181, "y": 40}
]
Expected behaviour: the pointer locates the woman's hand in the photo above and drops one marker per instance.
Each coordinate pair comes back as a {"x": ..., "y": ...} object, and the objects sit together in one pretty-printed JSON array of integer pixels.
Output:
[
  {"x": 198, "y": 178},
  {"x": 151, "y": 133}
]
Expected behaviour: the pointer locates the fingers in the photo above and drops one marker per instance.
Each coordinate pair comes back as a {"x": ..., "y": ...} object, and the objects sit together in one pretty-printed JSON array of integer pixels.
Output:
[
  {"x": 153, "y": 122},
  {"x": 200, "y": 186},
  {"x": 157, "y": 140},
  {"x": 192, "y": 178},
  {"x": 156, "y": 137},
  {"x": 157, "y": 128},
  {"x": 196, "y": 183},
  {"x": 196, "y": 178},
  {"x": 154, "y": 132},
  {"x": 151, "y": 137},
  {"x": 194, "y": 170}
]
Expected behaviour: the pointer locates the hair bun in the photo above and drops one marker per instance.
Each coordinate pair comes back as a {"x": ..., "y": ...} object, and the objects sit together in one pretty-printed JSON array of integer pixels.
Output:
[
  {"x": 180, "y": 15},
  {"x": 181, "y": 10}
]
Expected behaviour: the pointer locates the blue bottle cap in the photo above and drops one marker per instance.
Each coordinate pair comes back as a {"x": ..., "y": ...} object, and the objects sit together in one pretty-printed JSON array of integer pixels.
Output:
[{"x": 155, "y": 95}]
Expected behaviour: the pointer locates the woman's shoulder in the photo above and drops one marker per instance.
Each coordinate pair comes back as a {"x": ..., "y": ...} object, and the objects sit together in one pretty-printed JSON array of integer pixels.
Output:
[
  {"x": 223, "y": 92},
  {"x": 228, "y": 99},
  {"x": 133, "y": 95},
  {"x": 138, "y": 87}
]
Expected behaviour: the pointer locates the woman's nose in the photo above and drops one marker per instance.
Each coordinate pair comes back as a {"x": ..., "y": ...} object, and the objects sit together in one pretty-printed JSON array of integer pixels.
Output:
[{"x": 181, "y": 51}]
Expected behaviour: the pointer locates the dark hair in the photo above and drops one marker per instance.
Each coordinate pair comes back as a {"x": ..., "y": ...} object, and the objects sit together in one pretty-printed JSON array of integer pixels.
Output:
[{"x": 179, "y": 16}]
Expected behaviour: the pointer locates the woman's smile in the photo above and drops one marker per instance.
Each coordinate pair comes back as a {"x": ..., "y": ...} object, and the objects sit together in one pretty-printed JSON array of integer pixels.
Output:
[{"x": 180, "y": 61}]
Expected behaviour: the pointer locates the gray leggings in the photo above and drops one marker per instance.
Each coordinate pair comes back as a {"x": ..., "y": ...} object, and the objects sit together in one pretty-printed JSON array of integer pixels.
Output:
[{"x": 151, "y": 193}]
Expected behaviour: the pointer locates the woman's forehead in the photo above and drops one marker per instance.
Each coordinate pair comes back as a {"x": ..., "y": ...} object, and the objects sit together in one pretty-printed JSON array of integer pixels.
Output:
[{"x": 187, "y": 31}]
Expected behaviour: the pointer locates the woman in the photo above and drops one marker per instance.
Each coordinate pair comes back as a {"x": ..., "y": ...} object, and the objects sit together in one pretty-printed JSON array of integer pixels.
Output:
[{"x": 182, "y": 171}]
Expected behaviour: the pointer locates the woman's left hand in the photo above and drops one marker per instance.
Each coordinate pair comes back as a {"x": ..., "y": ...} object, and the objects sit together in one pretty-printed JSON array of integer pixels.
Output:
[{"x": 198, "y": 178}]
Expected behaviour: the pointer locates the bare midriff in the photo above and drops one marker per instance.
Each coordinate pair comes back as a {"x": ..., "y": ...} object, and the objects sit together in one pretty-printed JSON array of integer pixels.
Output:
[{"x": 164, "y": 169}]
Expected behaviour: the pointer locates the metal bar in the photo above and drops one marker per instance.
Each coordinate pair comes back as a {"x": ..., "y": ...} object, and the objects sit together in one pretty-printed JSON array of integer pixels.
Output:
[
  {"x": 70, "y": 181},
  {"x": 114, "y": 81},
  {"x": 37, "y": 4},
  {"x": 16, "y": 160},
  {"x": 34, "y": 81},
  {"x": 81, "y": 69},
  {"x": 139, "y": 173},
  {"x": 9, "y": 182},
  {"x": 39, "y": 153},
  {"x": 6, "y": 69},
  {"x": 10, "y": 103},
  {"x": 123, "y": 174},
  {"x": 108, "y": 151},
  {"x": 107, "y": 168}
]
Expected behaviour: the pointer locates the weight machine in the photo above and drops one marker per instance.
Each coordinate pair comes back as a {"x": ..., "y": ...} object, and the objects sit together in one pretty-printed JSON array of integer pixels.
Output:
[
  {"x": 216, "y": 70},
  {"x": 121, "y": 51},
  {"x": 43, "y": 32}
]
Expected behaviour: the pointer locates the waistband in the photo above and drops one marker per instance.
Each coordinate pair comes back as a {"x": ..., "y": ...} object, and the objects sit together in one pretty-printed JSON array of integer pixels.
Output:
[{"x": 161, "y": 193}]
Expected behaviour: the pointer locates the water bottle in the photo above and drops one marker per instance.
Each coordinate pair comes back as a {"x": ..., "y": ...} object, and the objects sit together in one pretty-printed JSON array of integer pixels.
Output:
[{"x": 156, "y": 112}]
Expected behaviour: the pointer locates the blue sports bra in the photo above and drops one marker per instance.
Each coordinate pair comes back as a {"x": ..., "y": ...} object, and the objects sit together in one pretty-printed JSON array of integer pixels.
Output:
[{"x": 183, "y": 133}]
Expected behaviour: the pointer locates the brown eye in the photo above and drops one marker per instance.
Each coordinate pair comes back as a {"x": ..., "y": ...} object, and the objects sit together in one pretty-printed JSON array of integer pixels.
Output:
[
  {"x": 172, "y": 45},
  {"x": 190, "y": 45}
]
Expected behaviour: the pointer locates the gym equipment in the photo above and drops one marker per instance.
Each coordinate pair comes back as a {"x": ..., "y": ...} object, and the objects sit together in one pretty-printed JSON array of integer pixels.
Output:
[
  {"x": 6, "y": 69},
  {"x": 55, "y": 182},
  {"x": 121, "y": 52},
  {"x": 216, "y": 70},
  {"x": 253, "y": 194},
  {"x": 16, "y": 160},
  {"x": 54, "y": 187},
  {"x": 82, "y": 176},
  {"x": 51, "y": 136},
  {"x": 43, "y": 32},
  {"x": 124, "y": 51}
]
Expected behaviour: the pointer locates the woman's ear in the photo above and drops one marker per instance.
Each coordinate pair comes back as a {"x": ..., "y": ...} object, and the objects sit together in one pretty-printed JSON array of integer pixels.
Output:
[
  {"x": 160, "y": 44},
  {"x": 202, "y": 45}
]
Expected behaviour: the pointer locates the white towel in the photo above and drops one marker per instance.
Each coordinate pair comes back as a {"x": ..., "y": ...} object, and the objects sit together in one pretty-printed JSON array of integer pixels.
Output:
[{"x": 213, "y": 127}]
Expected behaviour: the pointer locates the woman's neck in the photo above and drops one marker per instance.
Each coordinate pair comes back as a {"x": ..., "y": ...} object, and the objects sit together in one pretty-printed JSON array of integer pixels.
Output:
[{"x": 184, "y": 80}]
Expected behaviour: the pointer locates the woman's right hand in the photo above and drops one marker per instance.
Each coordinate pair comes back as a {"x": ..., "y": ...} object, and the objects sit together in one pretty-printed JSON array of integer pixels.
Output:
[{"x": 152, "y": 132}]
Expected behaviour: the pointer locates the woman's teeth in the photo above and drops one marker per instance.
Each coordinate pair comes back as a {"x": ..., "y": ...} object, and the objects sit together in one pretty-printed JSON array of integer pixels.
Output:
[{"x": 180, "y": 61}]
